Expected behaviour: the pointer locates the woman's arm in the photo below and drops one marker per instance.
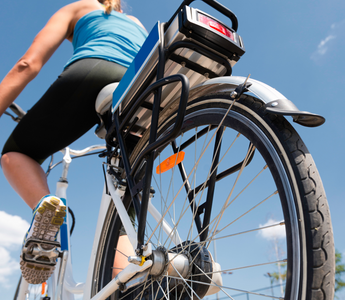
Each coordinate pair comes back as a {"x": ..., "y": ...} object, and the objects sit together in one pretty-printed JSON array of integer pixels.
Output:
[{"x": 44, "y": 45}]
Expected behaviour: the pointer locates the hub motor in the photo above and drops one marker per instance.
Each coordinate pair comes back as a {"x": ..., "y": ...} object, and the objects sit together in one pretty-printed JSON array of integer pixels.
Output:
[{"x": 174, "y": 271}]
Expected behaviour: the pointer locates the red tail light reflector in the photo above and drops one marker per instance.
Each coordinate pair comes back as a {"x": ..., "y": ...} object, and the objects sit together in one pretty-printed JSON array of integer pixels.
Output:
[{"x": 215, "y": 25}]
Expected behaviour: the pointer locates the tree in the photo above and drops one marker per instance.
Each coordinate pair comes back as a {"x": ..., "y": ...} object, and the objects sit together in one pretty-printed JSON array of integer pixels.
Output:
[
  {"x": 339, "y": 271},
  {"x": 282, "y": 274}
]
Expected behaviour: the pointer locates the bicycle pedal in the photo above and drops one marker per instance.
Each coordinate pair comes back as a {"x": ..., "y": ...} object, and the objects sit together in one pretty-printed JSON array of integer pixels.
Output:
[
  {"x": 38, "y": 260},
  {"x": 41, "y": 252}
]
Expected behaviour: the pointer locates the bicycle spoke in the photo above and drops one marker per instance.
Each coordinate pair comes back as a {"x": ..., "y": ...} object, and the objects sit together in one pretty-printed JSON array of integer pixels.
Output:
[
  {"x": 189, "y": 234},
  {"x": 194, "y": 166},
  {"x": 201, "y": 196},
  {"x": 199, "y": 160},
  {"x": 236, "y": 234},
  {"x": 217, "y": 217},
  {"x": 249, "y": 266},
  {"x": 224, "y": 206},
  {"x": 162, "y": 290},
  {"x": 243, "y": 232},
  {"x": 233, "y": 187},
  {"x": 120, "y": 252},
  {"x": 245, "y": 213},
  {"x": 141, "y": 286},
  {"x": 232, "y": 289},
  {"x": 184, "y": 280},
  {"x": 264, "y": 168},
  {"x": 214, "y": 284},
  {"x": 163, "y": 207}
]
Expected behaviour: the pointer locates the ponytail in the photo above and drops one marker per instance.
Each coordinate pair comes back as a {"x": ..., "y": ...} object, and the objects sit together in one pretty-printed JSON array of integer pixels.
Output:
[{"x": 110, "y": 5}]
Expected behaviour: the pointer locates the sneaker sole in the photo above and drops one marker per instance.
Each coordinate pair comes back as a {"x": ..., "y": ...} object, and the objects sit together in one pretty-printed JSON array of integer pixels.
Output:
[{"x": 47, "y": 221}]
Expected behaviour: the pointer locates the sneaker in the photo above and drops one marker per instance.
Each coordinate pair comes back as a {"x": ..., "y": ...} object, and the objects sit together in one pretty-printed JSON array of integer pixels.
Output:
[{"x": 47, "y": 218}]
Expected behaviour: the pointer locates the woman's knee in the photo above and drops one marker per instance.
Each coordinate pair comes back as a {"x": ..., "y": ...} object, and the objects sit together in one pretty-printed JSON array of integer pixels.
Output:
[{"x": 7, "y": 159}]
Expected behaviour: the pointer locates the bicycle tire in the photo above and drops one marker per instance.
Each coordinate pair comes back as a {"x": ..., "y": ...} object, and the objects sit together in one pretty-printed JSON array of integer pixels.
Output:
[{"x": 308, "y": 240}]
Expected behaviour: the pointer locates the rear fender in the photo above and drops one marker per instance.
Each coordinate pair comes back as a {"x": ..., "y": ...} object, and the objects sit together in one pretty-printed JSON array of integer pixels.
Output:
[{"x": 275, "y": 102}]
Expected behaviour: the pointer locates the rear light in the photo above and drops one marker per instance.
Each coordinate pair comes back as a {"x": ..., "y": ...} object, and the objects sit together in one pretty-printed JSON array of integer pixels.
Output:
[{"x": 215, "y": 25}]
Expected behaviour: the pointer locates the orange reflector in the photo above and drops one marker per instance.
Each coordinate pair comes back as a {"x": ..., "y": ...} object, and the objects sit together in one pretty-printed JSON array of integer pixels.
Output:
[
  {"x": 44, "y": 284},
  {"x": 170, "y": 162}
]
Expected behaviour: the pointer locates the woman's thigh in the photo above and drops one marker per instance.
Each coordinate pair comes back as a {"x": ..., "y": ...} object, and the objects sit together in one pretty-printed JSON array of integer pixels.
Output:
[{"x": 66, "y": 111}]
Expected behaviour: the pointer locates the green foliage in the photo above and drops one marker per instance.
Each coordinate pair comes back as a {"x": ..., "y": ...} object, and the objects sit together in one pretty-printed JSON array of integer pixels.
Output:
[
  {"x": 275, "y": 275},
  {"x": 339, "y": 271}
]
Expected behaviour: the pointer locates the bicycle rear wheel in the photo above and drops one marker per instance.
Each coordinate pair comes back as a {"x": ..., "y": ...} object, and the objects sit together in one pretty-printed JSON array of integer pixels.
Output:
[{"x": 246, "y": 203}]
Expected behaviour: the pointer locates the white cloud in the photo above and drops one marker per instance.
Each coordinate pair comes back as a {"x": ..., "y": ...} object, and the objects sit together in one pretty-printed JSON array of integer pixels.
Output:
[
  {"x": 12, "y": 230},
  {"x": 323, "y": 46},
  {"x": 336, "y": 32},
  {"x": 338, "y": 26},
  {"x": 8, "y": 266},
  {"x": 274, "y": 232}
]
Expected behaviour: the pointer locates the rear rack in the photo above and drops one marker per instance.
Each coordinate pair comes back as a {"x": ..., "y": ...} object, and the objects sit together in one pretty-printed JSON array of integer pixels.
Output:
[
  {"x": 176, "y": 50},
  {"x": 174, "y": 58}
]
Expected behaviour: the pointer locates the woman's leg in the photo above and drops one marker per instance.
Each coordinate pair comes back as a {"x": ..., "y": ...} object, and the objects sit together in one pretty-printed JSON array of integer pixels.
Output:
[
  {"x": 64, "y": 113},
  {"x": 124, "y": 249},
  {"x": 26, "y": 177}
]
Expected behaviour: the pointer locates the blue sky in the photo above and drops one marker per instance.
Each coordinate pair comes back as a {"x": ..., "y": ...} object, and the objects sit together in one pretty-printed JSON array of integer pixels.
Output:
[{"x": 295, "y": 46}]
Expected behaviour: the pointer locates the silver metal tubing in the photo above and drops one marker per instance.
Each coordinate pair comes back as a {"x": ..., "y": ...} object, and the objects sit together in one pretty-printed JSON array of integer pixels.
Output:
[
  {"x": 61, "y": 276},
  {"x": 86, "y": 150}
]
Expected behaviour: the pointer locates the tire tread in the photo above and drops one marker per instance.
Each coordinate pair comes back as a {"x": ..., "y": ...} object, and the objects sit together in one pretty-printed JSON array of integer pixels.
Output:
[{"x": 314, "y": 199}]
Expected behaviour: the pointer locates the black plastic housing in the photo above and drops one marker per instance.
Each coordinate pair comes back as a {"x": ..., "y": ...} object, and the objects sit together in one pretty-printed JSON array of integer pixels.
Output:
[{"x": 210, "y": 37}]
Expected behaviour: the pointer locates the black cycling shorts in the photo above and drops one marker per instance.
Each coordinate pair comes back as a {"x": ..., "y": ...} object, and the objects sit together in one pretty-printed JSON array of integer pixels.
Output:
[{"x": 66, "y": 111}]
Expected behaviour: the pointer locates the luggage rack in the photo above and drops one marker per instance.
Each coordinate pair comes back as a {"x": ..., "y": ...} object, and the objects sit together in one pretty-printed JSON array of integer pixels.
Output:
[
  {"x": 175, "y": 57},
  {"x": 185, "y": 47}
]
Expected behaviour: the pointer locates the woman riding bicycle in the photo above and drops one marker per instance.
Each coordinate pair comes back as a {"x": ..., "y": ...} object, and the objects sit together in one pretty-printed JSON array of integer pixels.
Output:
[{"x": 105, "y": 41}]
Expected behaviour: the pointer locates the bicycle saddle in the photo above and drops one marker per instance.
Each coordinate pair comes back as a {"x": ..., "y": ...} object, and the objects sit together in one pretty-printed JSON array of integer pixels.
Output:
[
  {"x": 105, "y": 97},
  {"x": 102, "y": 105}
]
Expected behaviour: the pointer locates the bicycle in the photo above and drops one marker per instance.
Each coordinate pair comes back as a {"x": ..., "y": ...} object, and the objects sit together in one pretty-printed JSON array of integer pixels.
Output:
[{"x": 181, "y": 133}]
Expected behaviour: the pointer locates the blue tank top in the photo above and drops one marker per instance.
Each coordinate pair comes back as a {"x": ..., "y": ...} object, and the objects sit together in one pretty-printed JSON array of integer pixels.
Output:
[{"x": 112, "y": 37}]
